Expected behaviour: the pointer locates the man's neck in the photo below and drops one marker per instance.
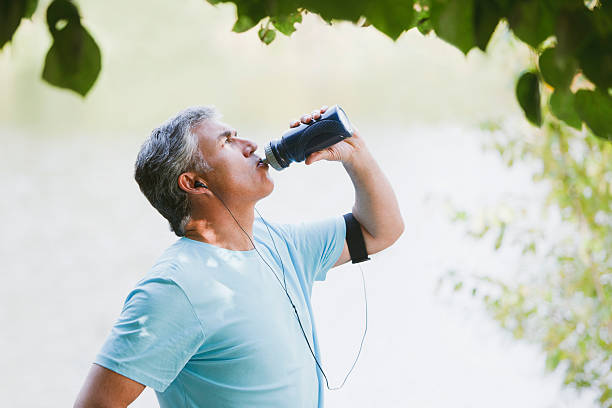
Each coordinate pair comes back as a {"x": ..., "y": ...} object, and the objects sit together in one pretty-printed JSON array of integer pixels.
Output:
[{"x": 217, "y": 227}]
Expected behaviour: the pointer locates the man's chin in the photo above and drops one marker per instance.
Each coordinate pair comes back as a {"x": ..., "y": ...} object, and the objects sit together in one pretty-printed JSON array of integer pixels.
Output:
[
  {"x": 264, "y": 190},
  {"x": 269, "y": 189}
]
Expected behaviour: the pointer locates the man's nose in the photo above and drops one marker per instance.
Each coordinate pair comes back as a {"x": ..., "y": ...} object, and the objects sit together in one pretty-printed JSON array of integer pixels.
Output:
[{"x": 249, "y": 147}]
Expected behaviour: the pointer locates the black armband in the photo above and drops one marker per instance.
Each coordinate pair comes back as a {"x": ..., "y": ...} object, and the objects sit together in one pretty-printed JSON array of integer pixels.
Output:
[{"x": 354, "y": 239}]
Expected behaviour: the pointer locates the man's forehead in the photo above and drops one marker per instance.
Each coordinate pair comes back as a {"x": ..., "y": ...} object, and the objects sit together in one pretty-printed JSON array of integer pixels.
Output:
[{"x": 211, "y": 130}]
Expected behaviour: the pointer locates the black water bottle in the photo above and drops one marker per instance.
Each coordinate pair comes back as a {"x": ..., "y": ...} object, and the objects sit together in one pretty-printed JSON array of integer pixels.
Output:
[{"x": 297, "y": 143}]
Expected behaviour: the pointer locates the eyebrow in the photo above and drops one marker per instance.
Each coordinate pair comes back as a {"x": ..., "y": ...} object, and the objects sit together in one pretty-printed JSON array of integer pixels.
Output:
[{"x": 225, "y": 134}]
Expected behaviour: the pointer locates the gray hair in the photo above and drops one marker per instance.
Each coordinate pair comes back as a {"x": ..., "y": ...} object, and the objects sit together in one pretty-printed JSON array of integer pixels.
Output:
[{"x": 172, "y": 149}]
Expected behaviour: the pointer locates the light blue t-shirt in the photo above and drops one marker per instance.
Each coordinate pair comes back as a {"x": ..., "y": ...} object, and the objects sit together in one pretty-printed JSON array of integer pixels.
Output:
[{"x": 212, "y": 327}]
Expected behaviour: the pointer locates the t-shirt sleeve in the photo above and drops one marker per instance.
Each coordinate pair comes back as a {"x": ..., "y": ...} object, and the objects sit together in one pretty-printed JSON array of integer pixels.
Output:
[
  {"x": 318, "y": 245},
  {"x": 155, "y": 335}
]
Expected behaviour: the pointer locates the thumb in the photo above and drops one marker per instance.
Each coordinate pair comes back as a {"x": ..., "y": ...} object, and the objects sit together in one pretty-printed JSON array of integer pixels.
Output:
[{"x": 316, "y": 156}]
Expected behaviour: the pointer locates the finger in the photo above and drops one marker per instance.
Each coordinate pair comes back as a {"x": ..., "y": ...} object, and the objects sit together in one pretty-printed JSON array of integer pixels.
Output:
[
  {"x": 311, "y": 158},
  {"x": 316, "y": 156},
  {"x": 324, "y": 108},
  {"x": 315, "y": 114},
  {"x": 294, "y": 123},
  {"x": 306, "y": 118}
]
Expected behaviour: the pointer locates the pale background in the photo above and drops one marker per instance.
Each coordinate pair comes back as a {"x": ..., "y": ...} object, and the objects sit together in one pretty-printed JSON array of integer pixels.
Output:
[{"x": 77, "y": 234}]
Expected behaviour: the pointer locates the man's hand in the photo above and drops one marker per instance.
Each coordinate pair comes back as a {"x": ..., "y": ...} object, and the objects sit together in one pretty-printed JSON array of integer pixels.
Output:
[{"x": 344, "y": 151}]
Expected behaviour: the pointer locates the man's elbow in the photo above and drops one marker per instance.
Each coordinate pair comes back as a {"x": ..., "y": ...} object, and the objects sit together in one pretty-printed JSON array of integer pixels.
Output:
[
  {"x": 392, "y": 234},
  {"x": 396, "y": 232}
]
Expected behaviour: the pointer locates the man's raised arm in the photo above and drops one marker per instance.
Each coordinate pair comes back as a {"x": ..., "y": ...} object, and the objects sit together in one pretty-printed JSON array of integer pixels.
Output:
[{"x": 376, "y": 206}]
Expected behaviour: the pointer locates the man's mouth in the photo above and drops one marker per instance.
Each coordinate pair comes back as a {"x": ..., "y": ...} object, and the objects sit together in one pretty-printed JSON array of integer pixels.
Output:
[{"x": 260, "y": 163}]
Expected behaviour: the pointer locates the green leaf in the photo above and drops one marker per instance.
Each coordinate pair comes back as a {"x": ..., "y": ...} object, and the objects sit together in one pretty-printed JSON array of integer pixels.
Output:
[
  {"x": 30, "y": 8},
  {"x": 528, "y": 95},
  {"x": 250, "y": 12},
  {"x": 62, "y": 10},
  {"x": 574, "y": 29},
  {"x": 562, "y": 103},
  {"x": 267, "y": 35},
  {"x": 532, "y": 21},
  {"x": 605, "y": 396},
  {"x": 392, "y": 17},
  {"x": 481, "y": 233},
  {"x": 74, "y": 59},
  {"x": 11, "y": 13},
  {"x": 500, "y": 236},
  {"x": 243, "y": 23},
  {"x": 530, "y": 247},
  {"x": 424, "y": 26},
  {"x": 557, "y": 70},
  {"x": 459, "y": 216},
  {"x": 453, "y": 21},
  {"x": 595, "y": 109},
  {"x": 337, "y": 10},
  {"x": 553, "y": 359},
  {"x": 602, "y": 18},
  {"x": 422, "y": 20},
  {"x": 596, "y": 61},
  {"x": 285, "y": 24},
  {"x": 486, "y": 17}
]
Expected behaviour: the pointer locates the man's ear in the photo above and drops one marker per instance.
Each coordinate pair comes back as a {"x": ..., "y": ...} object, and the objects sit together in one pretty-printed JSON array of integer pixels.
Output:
[{"x": 191, "y": 183}]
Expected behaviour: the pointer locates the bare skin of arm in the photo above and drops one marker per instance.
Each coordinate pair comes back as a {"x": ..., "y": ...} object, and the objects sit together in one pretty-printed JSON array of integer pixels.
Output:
[
  {"x": 376, "y": 206},
  {"x": 104, "y": 388}
]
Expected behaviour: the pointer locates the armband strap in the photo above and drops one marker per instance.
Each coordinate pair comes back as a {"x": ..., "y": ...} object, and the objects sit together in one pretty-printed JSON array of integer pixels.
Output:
[{"x": 354, "y": 239}]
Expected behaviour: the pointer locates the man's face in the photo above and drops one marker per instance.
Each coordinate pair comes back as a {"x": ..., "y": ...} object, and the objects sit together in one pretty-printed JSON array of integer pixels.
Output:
[{"x": 236, "y": 174}]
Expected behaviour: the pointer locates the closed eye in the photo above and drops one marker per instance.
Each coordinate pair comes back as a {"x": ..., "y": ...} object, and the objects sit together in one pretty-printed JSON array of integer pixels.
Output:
[{"x": 226, "y": 137}]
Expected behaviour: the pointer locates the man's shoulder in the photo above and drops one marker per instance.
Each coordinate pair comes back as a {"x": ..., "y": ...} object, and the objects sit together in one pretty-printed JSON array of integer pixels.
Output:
[
  {"x": 177, "y": 262},
  {"x": 263, "y": 228},
  {"x": 178, "y": 271},
  {"x": 270, "y": 233}
]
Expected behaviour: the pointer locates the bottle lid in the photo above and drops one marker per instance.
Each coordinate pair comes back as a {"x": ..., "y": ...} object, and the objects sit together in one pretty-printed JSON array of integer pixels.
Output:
[{"x": 271, "y": 159}]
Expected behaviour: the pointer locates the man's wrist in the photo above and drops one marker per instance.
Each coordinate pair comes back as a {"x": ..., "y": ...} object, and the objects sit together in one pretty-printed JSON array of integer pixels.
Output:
[{"x": 358, "y": 158}]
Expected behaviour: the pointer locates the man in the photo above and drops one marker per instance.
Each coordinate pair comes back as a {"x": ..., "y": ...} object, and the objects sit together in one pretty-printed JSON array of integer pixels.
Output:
[{"x": 212, "y": 324}]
